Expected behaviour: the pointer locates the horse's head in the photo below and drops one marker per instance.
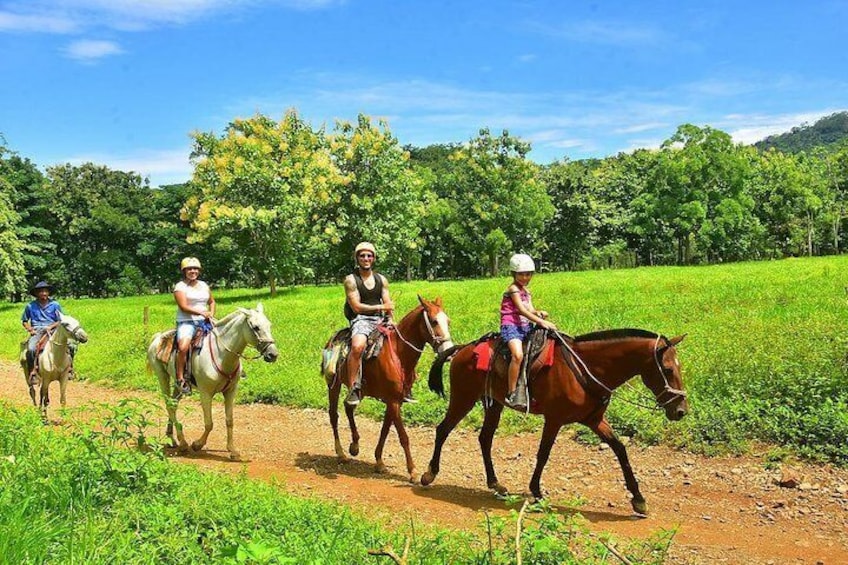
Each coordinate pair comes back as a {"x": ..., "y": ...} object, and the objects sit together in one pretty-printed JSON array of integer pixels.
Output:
[
  {"x": 73, "y": 327},
  {"x": 259, "y": 334},
  {"x": 664, "y": 380},
  {"x": 437, "y": 323}
]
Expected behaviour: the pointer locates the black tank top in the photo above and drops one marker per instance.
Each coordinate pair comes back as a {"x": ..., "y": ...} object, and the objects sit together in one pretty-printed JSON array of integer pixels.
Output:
[{"x": 372, "y": 296}]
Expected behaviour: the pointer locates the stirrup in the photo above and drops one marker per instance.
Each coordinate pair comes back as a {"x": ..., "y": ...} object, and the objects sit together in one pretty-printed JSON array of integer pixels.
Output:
[
  {"x": 184, "y": 386},
  {"x": 513, "y": 401},
  {"x": 408, "y": 398},
  {"x": 33, "y": 378}
]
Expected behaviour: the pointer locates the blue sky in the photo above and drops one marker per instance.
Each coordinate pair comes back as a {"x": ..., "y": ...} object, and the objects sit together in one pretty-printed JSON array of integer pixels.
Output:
[{"x": 124, "y": 83}]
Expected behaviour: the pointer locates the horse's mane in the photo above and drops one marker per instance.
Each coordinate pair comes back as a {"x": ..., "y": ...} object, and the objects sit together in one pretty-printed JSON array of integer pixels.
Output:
[
  {"x": 226, "y": 319},
  {"x": 621, "y": 333}
]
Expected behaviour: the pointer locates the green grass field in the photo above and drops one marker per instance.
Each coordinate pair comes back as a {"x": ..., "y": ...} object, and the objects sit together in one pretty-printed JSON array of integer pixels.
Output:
[{"x": 765, "y": 356}]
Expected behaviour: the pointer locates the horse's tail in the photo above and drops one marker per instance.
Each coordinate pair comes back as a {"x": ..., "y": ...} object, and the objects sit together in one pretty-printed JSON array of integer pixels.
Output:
[{"x": 435, "y": 379}]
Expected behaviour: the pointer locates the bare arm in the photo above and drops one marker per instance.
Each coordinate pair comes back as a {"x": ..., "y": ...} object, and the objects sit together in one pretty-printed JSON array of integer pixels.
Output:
[
  {"x": 530, "y": 313},
  {"x": 182, "y": 304},
  {"x": 352, "y": 294},
  {"x": 388, "y": 305}
]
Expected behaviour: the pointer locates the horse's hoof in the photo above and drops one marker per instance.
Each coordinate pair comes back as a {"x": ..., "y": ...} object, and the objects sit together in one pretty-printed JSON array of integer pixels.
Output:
[
  {"x": 412, "y": 479},
  {"x": 381, "y": 468},
  {"x": 196, "y": 446},
  {"x": 428, "y": 478},
  {"x": 354, "y": 448},
  {"x": 499, "y": 489},
  {"x": 182, "y": 449},
  {"x": 640, "y": 507},
  {"x": 235, "y": 456}
]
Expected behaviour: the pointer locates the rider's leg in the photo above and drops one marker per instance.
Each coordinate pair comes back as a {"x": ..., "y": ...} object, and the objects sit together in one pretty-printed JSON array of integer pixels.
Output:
[
  {"x": 182, "y": 353},
  {"x": 354, "y": 366},
  {"x": 32, "y": 344},
  {"x": 516, "y": 396}
]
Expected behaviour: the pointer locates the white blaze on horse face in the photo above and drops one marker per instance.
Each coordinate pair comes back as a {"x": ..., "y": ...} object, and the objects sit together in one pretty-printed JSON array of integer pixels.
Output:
[{"x": 443, "y": 323}]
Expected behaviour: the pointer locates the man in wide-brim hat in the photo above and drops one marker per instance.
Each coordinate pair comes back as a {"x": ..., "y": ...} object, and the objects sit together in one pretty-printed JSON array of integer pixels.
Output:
[{"x": 38, "y": 316}]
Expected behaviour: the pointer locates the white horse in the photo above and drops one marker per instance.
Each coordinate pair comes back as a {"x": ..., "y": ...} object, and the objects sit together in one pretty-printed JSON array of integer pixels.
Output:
[
  {"x": 216, "y": 368},
  {"x": 54, "y": 361}
]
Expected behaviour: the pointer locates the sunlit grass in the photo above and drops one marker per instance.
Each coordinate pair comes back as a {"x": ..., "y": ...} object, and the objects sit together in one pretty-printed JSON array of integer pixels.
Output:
[{"x": 764, "y": 355}]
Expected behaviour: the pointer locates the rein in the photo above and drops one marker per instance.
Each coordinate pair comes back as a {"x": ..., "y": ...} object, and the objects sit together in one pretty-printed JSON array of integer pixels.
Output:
[
  {"x": 668, "y": 389},
  {"x": 436, "y": 340}
]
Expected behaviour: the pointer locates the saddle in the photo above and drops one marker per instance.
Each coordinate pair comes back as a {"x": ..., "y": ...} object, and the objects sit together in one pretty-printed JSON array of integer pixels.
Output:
[
  {"x": 492, "y": 344},
  {"x": 168, "y": 345},
  {"x": 39, "y": 347},
  {"x": 338, "y": 348}
]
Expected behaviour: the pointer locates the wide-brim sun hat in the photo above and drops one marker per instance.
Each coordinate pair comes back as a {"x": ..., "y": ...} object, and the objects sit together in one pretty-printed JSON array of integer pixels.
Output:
[{"x": 39, "y": 286}]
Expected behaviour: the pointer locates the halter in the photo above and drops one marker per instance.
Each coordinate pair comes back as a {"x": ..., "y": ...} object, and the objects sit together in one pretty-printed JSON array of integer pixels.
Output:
[
  {"x": 673, "y": 393},
  {"x": 435, "y": 340}
]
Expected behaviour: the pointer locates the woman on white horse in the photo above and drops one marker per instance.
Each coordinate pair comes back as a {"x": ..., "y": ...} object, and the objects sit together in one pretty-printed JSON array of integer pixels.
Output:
[
  {"x": 39, "y": 315},
  {"x": 195, "y": 308}
]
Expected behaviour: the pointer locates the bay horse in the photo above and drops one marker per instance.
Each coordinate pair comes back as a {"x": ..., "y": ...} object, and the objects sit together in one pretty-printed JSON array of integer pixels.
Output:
[
  {"x": 216, "y": 368},
  {"x": 384, "y": 376},
  {"x": 54, "y": 361},
  {"x": 575, "y": 387}
]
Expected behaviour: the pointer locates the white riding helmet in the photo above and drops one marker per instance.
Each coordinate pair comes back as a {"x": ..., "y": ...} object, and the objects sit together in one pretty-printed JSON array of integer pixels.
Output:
[
  {"x": 521, "y": 263},
  {"x": 190, "y": 262},
  {"x": 364, "y": 246}
]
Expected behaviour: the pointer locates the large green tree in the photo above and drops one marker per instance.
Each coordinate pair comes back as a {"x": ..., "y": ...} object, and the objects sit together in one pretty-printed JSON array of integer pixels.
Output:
[{"x": 257, "y": 184}]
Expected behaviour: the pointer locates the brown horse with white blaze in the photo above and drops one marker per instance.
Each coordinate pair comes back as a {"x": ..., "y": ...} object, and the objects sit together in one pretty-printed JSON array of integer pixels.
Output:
[
  {"x": 575, "y": 387},
  {"x": 385, "y": 375}
]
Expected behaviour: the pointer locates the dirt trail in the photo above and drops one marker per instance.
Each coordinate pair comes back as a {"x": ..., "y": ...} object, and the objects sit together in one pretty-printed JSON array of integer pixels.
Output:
[{"x": 727, "y": 510}]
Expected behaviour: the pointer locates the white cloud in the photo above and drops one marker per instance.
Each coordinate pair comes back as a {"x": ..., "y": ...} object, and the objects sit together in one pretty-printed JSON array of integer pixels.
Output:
[
  {"x": 89, "y": 50},
  {"x": 745, "y": 128},
  {"x": 66, "y": 16},
  {"x": 160, "y": 166},
  {"x": 38, "y": 23},
  {"x": 636, "y": 128}
]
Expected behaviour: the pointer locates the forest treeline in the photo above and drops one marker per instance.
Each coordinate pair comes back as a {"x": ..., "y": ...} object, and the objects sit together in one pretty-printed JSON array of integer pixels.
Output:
[{"x": 274, "y": 202}]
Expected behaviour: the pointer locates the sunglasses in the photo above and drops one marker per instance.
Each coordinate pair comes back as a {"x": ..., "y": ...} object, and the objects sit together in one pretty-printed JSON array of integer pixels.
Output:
[{"x": 366, "y": 255}]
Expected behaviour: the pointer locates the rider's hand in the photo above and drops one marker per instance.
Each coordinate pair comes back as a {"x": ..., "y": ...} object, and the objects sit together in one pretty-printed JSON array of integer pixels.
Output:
[
  {"x": 542, "y": 314},
  {"x": 549, "y": 325},
  {"x": 31, "y": 331}
]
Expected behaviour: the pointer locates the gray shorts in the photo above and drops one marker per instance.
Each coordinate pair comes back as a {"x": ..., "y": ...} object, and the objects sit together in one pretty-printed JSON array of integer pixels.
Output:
[{"x": 364, "y": 325}]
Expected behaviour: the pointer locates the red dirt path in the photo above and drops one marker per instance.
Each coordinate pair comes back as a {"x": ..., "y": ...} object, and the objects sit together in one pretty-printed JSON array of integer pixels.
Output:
[{"x": 727, "y": 510}]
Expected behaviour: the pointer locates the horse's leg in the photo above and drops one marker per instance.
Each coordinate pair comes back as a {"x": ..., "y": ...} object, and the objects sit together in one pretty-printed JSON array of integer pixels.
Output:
[
  {"x": 44, "y": 393},
  {"x": 608, "y": 435},
  {"x": 388, "y": 418},
  {"x": 491, "y": 421},
  {"x": 354, "y": 433},
  {"x": 403, "y": 437},
  {"x": 206, "y": 403},
  {"x": 229, "y": 399},
  {"x": 333, "y": 392},
  {"x": 168, "y": 391},
  {"x": 457, "y": 410},
  {"x": 549, "y": 434},
  {"x": 63, "y": 388}
]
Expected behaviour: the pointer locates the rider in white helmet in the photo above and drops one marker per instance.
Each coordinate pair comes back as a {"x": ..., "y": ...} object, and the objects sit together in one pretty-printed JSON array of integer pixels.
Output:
[
  {"x": 517, "y": 312},
  {"x": 195, "y": 306}
]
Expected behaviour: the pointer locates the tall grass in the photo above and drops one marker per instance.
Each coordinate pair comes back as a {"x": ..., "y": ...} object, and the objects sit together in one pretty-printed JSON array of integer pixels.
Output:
[
  {"x": 764, "y": 357},
  {"x": 88, "y": 497}
]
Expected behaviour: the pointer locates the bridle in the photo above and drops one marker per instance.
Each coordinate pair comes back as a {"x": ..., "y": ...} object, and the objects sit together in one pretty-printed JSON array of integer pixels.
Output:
[
  {"x": 673, "y": 394},
  {"x": 261, "y": 345},
  {"x": 435, "y": 341}
]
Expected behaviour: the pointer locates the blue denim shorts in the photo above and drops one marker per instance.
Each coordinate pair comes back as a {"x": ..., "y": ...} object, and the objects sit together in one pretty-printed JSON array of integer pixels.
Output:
[{"x": 510, "y": 332}]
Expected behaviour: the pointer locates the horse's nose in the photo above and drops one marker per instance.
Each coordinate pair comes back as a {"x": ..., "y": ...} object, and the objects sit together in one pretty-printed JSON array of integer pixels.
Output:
[
  {"x": 82, "y": 337},
  {"x": 270, "y": 354}
]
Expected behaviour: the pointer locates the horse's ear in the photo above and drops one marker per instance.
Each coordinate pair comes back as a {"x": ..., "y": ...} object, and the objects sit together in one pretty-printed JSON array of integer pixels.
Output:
[
  {"x": 438, "y": 301},
  {"x": 61, "y": 316},
  {"x": 675, "y": 340},
  {"x": 422, "y": 301},
  {"x": 259, "y": 308}
]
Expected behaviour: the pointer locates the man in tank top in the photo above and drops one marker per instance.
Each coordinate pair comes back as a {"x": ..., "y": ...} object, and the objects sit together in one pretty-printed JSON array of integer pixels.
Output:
[{"x": 367, "y": 304}]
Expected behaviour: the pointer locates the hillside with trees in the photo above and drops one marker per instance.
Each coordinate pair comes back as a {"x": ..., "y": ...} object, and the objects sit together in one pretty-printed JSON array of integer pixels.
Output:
[{"x": 826, "y": 132}]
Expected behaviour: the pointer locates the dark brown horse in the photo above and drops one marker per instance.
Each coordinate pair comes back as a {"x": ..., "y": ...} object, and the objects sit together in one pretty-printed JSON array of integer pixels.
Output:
[
  {"x": 576, "y": 387},
  {"x": 385, "y": 375}
]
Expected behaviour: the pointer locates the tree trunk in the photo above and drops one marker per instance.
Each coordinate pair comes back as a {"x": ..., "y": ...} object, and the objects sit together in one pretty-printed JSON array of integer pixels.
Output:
[{"x": 273, "y": 284}]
